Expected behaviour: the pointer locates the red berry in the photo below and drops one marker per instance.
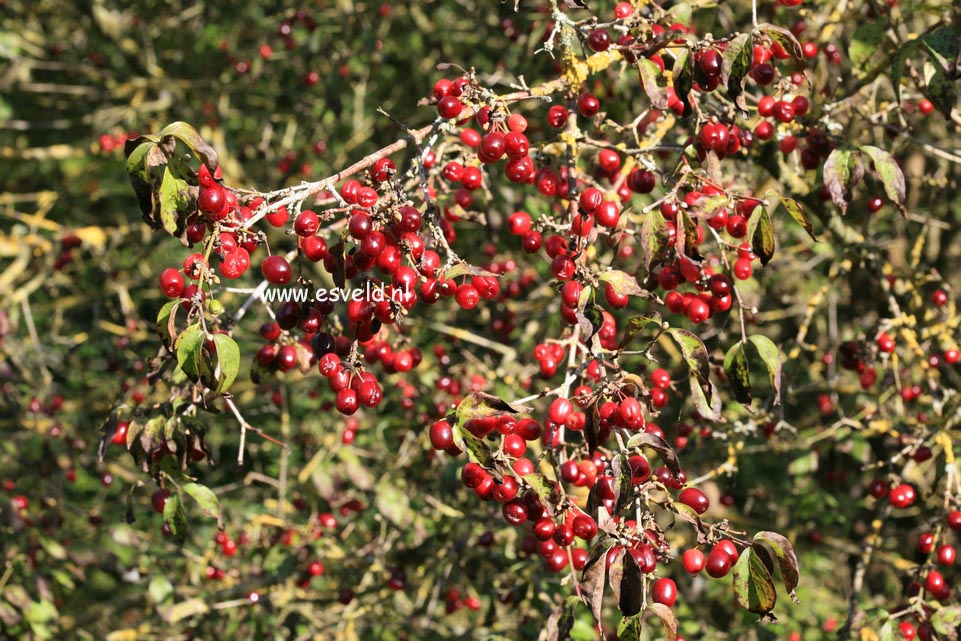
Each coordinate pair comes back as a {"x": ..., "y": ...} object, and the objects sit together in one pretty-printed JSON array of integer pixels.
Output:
[
  {"x": 171, "y": 282},
  {"x": 277, "y": 270},
  {"x": 946, "y": 555},
  {"x": 718, "y": 563},
  {"x": 664, "y": 591},
  {"x": 902, "y": 496},
  {"x": 449, "y": 107},
  {"x": 557, "y": 116},
  {"x": 588, "y": 105},
  {"x": 693, "y": 560},
  {"x": 695, "y": 499}
]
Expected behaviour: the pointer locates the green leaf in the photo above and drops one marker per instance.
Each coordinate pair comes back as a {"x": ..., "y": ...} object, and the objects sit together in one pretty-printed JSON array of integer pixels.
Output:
[
  {"x": 205, "y": 498},
  {"x": 654, "y": 235},
  {"x": 693, "y": 351},
  {"x": 589, "y": 319},
  {"x": 843, "y": 170},
  {"x": 176, "y": 518},
  {"x": 482, "y": 405},
  {"x": 144, "y": 156},
  {"x": 630, "y": 628},
  {"x": 770, "y": 355},
  {"x": 942, "y": 91},
  {"x": 944, "y": 46},
  {"x": 794, "y": 209},
  {"x": 865, "y": 44},
  {"x": 753, "y": 586},
  {"x": 636, "y": 324},
  {"x": 166, "y": 318},
  {"x": 946, "y": 621},
  {"x": 477, "y": 450},
  {"x": 703, "y": 393},
  {"x": 889, "y": 171},
  {"x": 666, "y": 615},
  {"x": 546, "y": 490},
  {"x": 785, "y": 38},
  {"x": 736, "y": 64},
  {"x": 738, "y": 373},
  {"x": 632, "y": 587},
  {"x": 186, "y": 134},
  {"x": 786, "y": 558},
  {"x": 762, "y": 237},
  {"x": 897, "y": 65},
  {"x": 664, "y": 451},
  {"x": 683, "y": 77},
  {"x": 594, "y": 578},
  {"x": 391, "y": 501},
  {"x": 152, "y": 435},
  {"x": 174, "y": 202},
  {"x": 228, "y": 360},
  {"x": 189, "y": 346},
  {"x": 648, "y": 72},
  {"x": 686, "y": 238},
  {"x": 886, "y": 633},
  {"x": 159, "y": 589},
  {"x": 623, "y": 283},
  {"x": 559, "y": 623},
  {"x": 39, "y": 613}
]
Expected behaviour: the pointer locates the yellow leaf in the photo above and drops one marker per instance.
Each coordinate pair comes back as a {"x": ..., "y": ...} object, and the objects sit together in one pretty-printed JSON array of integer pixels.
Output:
[{"x": 92, "y": 236}]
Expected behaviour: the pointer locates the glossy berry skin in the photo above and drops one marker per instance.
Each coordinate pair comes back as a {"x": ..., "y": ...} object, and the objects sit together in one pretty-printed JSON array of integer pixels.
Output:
[
  {"x": 171, "y": 282},
  {"x": 907, "y": 630},
  {"x": 584, "y": 527},
  {"x": 902, "y": 496},
  {"x": 159, "y": 499},
  {"x": 946, "y": 555},
  {"x": 557, "y": 116},
  {"x": 559, "y": 410},
  {"x": 588, "y": 105},
  {"x": 728, "y": 546},
  {"x": 693, "y": 560},
  {"x": 276, "y": 270},
  {"x": 441, "y": 435},
  {"x": 926, "y": 542},
  {"x": 695, "y": 499},
  {"x": 664, "y": 591},
  {"x": 934, "y": 582},
  {"x": 718, "y": 563},
  {"x": 449, "y": 107}
]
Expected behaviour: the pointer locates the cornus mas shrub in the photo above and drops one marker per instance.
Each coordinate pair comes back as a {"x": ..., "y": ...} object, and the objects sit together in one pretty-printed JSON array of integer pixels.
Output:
[{"x": 672, "y": 353}]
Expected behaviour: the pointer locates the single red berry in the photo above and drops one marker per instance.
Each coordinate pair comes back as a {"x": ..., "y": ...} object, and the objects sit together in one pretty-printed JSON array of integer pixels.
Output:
[
  {"x": 693, "y": 560},
  {"x": 664, "y": 591},
  {"x": 718, "y": 563},
  {"x": 277, "y": 270},
  {"x": 159, "y": 499},
  {"x": 588, "y": 105},
  {"x": 449, "y": 107},
  {"x": 557, "y": 116},
  {"x": 599, "y": 40},
  {"x": 695, "y": 499},
  {"x": 946, "y": 555},
  {"x": 171, "y": 282},
  {"x": 907, "y": 630},
  {"x": 934, "y": 582},
  {"x": 902, "y": 496}
]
